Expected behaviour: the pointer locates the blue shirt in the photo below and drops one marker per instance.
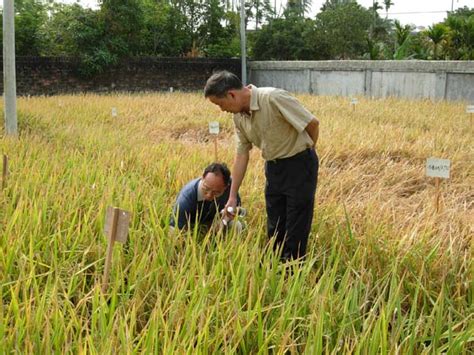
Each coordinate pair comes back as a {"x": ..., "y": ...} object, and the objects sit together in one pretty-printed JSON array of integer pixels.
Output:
[{"x": 187, "y": 208}]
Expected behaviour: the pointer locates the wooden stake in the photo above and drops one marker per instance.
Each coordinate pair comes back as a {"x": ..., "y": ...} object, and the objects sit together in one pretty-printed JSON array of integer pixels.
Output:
[
  {"x": 438, "y": 193},
  {"x": 4, "y": 171},
  {"x": 110, "y": 250},
  {"x": 214, "y": 130},
  {"x": 215, "y": 147}
]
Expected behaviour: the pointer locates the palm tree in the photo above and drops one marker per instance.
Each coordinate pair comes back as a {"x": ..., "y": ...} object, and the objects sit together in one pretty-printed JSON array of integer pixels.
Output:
[
  {"x": 402, "y": 39},
  {"x": 387, "y": 4},
  {"x": 401, "y": 33},
  {"x": 436, "y": 34},
  {"x": 299, "y": 6},
  {"x": 331, "y": 4},
  {"x": 375, "y": 7}
]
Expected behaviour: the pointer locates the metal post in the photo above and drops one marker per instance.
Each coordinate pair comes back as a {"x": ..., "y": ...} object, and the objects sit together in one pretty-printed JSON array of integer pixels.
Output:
[
  {"x": 9, "y": 79},
  {"x": 243, "y": 43}
]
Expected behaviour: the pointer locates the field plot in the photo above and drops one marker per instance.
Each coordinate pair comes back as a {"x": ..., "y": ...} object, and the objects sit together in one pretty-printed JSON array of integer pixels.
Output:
[{"x": 384, "y": 274}]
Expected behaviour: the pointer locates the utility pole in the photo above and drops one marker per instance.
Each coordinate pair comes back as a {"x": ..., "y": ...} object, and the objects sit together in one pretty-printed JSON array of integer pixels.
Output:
[
  {"x": 243, "y": 43},
  {"x": 9, "y": 77},
  {"x": 452, "y": 5}
]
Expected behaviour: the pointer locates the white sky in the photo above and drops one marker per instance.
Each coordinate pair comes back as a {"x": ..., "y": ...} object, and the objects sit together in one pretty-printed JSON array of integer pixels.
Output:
[
  {"x": 427, "y": 11},
  {"x": 401, "y": 7}
]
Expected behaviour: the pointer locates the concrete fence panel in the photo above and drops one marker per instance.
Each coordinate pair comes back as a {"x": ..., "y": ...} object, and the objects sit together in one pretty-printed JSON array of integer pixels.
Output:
[
  {"x": 342, "y": 83},
  {"x": 435, "y": 80},
  {"x": 403, "y": 84},
  {"x": 460, "y": 85}
]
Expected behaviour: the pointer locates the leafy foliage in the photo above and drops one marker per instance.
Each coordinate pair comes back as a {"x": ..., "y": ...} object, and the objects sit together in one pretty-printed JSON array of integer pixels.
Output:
[
  {"x": 342, "y": 29},
  {"x": 345, "y": 28},
  {"x": 461, "y": 34},
  {"x": 164, "y": 32},
  {"x": 29, "y": 17},
  {"x": 286, "y": 39}
]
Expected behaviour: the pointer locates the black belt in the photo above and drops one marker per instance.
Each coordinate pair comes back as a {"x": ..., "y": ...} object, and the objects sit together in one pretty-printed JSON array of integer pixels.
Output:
[{"x": 297, "y": 155}]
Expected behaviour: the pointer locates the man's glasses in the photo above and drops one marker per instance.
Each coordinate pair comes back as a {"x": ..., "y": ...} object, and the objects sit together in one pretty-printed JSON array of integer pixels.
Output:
[{"x": 207, "y": 190}]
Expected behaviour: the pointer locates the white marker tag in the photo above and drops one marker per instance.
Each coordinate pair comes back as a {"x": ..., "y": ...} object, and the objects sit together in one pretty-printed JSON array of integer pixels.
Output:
[
  {"x": 470, "y": 109},
  {"x": 171, "y": 89},
  {"x": 354, "y": 101},
  {"x": 122, "y": 224},
  {"x": 438, "y": 167},
  {"x": 214, "y": 127},
  {"x": 114, "y": 112}
]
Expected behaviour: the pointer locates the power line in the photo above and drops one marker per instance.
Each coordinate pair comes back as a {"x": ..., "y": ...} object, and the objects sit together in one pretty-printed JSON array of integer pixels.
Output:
[{"x": 417, "y": 12}]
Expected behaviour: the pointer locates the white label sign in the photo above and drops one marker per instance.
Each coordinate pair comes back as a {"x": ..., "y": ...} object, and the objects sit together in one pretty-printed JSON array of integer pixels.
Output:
[
  {"x": 470, "y": 109},
  {"x": 114, "y": 112},
  {"x": 438, "y": 167},
  {"x": 214, "y": 127},
  {"x": 123, "y": 222},
  {"x": 171, "y": 89},
  {"x": 354, "y": 101}
]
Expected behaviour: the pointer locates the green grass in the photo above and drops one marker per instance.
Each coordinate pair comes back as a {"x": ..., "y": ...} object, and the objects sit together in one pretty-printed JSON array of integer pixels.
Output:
[{"x": 384, "y": 274}]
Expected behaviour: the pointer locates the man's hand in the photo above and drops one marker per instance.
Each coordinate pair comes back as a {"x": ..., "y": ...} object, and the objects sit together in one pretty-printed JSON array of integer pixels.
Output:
[
  {"x": 231, "y": 202},
  {"x": 238, "y": 173},
  {"x": 313, "y": 130}
]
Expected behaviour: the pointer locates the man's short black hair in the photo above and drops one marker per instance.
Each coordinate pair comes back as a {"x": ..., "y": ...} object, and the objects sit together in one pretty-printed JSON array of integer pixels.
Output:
[
  {"x": 220, "y": 83},
  {"x": 220, "y": 169}
]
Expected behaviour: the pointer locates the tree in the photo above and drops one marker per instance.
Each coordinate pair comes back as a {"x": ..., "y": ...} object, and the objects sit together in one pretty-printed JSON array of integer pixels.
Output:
[
  {"x": 287, "y": 38},
  {"x": 402, "y": 41},
  {"x": 193, "y": 12},
  {"x": 79, "y": 33},
  {"x": 97, "y": 38},
  {"x": 333, "y": 4},
  {"x": 123, "y": 24},
  {"x": 211, "y": 29},
  {"x": 461, "y": 34},
  {"x": 374, "y": 10},
  {"x": 217, "y": 40},
  {"x": 345, "y": 27},
  {"x": 263, "y": 11},
  {"x": 298, "y": 7},
  {"x": 165, "y": 30},
  {"x": 30, "y": 16},
  {"x": 387, "y": 4},
  {"x": 437, "y": 35}
]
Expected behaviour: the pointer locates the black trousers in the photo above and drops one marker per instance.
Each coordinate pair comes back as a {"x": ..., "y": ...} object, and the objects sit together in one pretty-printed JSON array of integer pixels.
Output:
[{"x": 289, "y": 196}]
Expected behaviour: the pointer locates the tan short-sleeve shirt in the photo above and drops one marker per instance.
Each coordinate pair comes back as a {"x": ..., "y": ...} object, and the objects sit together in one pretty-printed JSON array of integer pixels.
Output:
[{"x": 276, "y": 124}]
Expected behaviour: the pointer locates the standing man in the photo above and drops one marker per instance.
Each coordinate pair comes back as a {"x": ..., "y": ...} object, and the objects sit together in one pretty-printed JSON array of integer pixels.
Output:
[{"x": 286, "y": 133}]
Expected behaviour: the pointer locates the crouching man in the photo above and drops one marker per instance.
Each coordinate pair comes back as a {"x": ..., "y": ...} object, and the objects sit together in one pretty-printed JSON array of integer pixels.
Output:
[{"x": 201, "y": 200}]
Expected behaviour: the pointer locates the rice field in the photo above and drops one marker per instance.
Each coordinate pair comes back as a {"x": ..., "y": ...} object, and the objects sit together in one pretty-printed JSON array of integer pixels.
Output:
[{"x": 385, "y": 273}]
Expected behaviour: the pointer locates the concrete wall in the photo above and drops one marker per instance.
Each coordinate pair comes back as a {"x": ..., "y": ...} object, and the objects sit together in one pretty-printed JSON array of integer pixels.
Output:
[
  {"x": 49, "y": 76},
  {"x": 435, "y": 80}
]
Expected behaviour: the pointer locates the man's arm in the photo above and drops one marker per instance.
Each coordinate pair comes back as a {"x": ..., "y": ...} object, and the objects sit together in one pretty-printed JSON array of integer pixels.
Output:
[
  {"x": 313, "y": 130},
  {"x": 178, "y": 219},
  {"x": 238, "y": 172},
  {"x": 182, "y": 211}
]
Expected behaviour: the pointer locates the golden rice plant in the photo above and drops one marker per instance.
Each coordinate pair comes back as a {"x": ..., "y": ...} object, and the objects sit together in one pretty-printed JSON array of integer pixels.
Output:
[{"x": 384, "y": 274}]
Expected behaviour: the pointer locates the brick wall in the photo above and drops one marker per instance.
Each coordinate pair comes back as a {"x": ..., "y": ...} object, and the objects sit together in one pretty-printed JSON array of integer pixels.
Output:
[{"x": 48, "y": 76}]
